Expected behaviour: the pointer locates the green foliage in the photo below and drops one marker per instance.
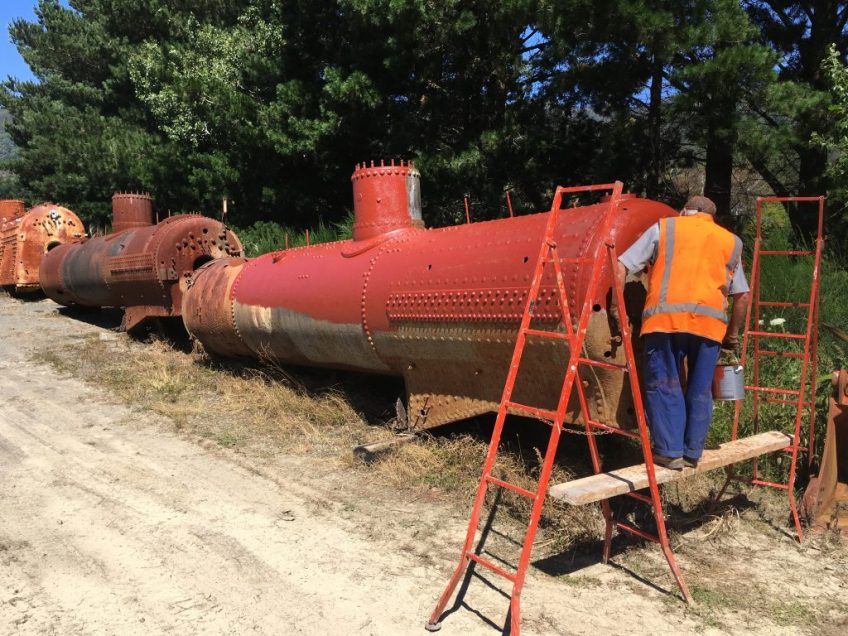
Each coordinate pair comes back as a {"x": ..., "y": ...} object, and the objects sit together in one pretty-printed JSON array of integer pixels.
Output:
[
  {"x": 271, "y": 103},
  {"x": 10, "y": 186},
  {"x": 266, "y": 236},
  {"x": 836, "y": 140}
]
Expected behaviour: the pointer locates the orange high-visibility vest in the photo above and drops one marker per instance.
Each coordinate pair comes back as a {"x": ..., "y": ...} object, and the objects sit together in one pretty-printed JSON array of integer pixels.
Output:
[{"x": 689, "y": 281}]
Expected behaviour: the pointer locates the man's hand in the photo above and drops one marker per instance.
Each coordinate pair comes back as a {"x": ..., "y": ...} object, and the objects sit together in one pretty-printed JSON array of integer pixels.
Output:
[
  {"x": 731, "y": 343},
  {"x": 737, "y": 319}
]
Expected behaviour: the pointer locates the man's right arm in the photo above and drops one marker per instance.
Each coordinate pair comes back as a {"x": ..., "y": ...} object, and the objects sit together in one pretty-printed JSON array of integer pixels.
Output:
[{"x": 737, "y": 318}]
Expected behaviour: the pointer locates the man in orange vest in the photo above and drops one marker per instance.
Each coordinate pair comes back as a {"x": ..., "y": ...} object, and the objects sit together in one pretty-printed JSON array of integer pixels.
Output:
[{"x": 693, "y": 266}]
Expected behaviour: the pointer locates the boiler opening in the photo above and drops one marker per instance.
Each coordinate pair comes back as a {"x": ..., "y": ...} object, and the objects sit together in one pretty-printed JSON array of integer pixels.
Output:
[
  {"x": 200, "y": 261},
  {"x": 52, "y": 244}
]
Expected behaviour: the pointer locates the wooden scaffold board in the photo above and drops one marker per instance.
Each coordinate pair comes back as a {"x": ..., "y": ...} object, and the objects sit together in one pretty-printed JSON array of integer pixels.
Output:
[{"x": 618, "y": 482}]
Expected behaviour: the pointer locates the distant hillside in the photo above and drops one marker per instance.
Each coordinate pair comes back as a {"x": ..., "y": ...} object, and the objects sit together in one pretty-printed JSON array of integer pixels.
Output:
[{"x": 7, "y": 148}]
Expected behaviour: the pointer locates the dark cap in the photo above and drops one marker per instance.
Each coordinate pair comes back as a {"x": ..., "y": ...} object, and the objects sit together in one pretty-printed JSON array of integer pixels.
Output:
[{"x": 701, "y": 204}]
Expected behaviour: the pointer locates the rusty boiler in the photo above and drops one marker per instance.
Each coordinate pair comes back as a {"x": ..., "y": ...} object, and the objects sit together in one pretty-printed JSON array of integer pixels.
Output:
[
  {"x": 439, "y": 307},
  {"x": 25, "y": 236},
  {"x": 138, "y": 267}
]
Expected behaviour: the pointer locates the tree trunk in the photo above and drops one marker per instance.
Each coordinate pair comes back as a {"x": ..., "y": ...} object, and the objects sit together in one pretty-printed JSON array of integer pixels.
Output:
[
  {"x": 719, "y": 171},
  {"x": 652, "y": 182},
  {"x": 655, "y": 133},
  {"x": 811, "y": 182}
]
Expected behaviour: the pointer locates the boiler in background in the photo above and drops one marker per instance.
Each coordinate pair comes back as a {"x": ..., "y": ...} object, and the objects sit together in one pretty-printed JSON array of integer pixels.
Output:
[
  {"x": 439, "y": 307},
  {"x": 26, "y": 236},
  {"x": 138, "y": 267}
]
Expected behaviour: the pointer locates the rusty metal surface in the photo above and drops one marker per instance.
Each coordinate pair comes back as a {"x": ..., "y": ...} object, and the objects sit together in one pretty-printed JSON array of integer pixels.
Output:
[
  {"x": 137, "y": 269},
  {"x": 208, "y": 308},
  {"x": 25, "y": 237},
  {"x": 439, "y": 307},
  {"x": 131, "y": 210},
  {"x": 826, "y": 498},
  {"x": 11, "y": 209}
]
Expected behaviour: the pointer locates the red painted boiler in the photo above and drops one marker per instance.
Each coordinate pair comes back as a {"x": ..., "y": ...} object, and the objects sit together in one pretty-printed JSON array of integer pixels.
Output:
[
  {"x": 138, "y": 267},
  {"x": 439, "y": 307},
  {"x": 25, "y": 236}
]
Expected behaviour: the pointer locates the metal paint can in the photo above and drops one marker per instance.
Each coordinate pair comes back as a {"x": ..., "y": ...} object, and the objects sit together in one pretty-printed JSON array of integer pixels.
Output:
[{"x": 729, "y": 382}]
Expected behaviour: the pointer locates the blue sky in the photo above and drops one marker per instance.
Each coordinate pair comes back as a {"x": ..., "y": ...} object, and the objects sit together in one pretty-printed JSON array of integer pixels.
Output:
[{"x": 10, "y": 62}]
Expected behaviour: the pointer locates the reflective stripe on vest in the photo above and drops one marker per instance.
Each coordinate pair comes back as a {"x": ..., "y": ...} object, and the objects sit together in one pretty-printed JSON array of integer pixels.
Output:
[{"x": 687, "y": 295}]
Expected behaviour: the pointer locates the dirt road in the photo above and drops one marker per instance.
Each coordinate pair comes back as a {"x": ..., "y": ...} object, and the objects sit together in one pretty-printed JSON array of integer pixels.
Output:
[{"x": 113, "y": 525}]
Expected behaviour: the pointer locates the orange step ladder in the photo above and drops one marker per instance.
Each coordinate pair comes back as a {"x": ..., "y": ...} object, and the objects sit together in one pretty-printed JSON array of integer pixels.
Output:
[
  {"x": 803, "y": 398},
  {"x": 604, "y": 253}
]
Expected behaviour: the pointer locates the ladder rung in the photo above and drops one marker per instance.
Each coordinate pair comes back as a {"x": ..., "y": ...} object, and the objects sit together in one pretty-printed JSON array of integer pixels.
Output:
[
  {"x": 762, "y": 482},
  {"x": 509, "y": 486},
  {"x": 637, "y": 531},
  {"x": 779, "y": 354},
  {"x": 777, "y": 334},
  {"x": 555, "y": 335},
  {"x": 509, "y": 576},
  {"x": 614, "y": 429},
  {"x": 800, "y": 449},
  {"x": 779, "y": 303},
  {"x": 640, "y": 497},
  {"x": 792, "y": 402},
  {"x": 766, "y": 389},
  {"x": 786, "y": 253},
  {"x": 604, "y": 365},
  {"x": 545, "y": 414}
]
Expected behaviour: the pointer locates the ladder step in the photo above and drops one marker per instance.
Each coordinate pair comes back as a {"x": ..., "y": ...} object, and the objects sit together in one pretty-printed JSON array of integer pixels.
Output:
[
  {"x": 509, "y": 576},
  {"x": 604, "y": 365},
  {"x": 792, "y": 402},
  {"x": 640, "y": 497},
  {"x": 800, "y": 449},
  {"x": 614, "y": 429},
  {"x": 778, "y": 303},
  {"x": 555, "y": 335},
  {"x": 777, "y": 334},
  {"x": 766, "y": 389},
  {"x": 779, "y": 354},
  {"x": 771, "y": 484},
  {"x": 619, "y": 482},
  {"x": 509, "y": 486},
  {"x": 637, "y": 531},
  {"x": 786, "y": 253},
  {"x": 545, "y": 414}
]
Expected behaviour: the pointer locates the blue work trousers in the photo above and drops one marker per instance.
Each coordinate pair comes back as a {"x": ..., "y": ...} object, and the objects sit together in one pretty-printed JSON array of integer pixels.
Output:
[{"x": 678, "y": 419}]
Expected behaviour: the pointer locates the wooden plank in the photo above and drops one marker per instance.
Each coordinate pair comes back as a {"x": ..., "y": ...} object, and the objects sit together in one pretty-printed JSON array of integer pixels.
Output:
[{"x": 624, "y": 480}]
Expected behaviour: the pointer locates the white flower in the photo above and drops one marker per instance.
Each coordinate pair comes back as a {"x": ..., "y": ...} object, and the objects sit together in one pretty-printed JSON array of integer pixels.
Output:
[
  {"x": 761, "y": 322},
  {"x": 776, "y": 322}
]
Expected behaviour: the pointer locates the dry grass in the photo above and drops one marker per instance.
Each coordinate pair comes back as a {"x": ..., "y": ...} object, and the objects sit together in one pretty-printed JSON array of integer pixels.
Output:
[{"x": 267, "y": 410}]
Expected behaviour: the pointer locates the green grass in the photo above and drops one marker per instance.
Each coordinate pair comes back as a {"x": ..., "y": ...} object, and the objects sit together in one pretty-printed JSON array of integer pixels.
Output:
[{"x": 788, "y": 279}]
